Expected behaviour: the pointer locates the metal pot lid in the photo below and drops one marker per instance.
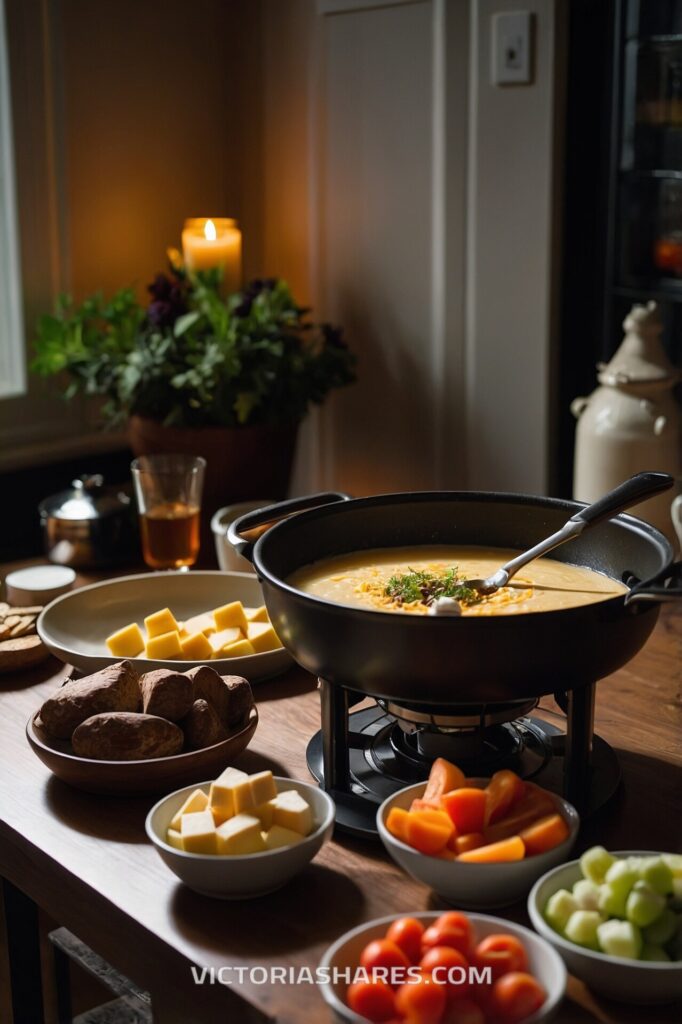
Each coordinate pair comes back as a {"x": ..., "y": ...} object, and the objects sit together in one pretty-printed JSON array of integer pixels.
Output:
[
  {"x": 641, "y": 358},
  {"x": 87, "y": 498}
]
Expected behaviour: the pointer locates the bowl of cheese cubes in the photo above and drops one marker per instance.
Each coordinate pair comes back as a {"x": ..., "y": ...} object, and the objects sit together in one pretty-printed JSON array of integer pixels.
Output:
[
  {"x": 240, "y": 835},
  {"x": 167, "y": 620},
  {"x": 616, "y": 919}
]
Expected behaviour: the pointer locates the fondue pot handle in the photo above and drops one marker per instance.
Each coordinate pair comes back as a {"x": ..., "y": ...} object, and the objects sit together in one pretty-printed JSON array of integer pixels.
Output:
[
  {"x": 667, "y": 586},
  {"x": 243, "y": 533}
]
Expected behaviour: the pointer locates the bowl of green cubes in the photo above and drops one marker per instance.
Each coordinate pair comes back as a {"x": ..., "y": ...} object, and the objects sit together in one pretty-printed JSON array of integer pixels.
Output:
[{"x": 616, "y": 919}]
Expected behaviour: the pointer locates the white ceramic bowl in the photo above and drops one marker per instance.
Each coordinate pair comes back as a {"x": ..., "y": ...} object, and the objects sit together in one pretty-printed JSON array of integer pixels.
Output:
[
  {"x": 241, "y": 877},
  {"x": 74, "y": 627},
  {"x": 228, "y": 558},
  {"x": 474, "y": 886},
  {"x": 631, "y": 981},
  {"x": 344, "y": 954}
]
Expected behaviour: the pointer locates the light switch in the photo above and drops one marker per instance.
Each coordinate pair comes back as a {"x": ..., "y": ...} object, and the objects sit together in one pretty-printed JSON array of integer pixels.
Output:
[{"x": 511, "y": 49}]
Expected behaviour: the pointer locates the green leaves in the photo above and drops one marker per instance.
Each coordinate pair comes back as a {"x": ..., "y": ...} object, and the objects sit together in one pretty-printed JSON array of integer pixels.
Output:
[{"x": 253, "y": 358}]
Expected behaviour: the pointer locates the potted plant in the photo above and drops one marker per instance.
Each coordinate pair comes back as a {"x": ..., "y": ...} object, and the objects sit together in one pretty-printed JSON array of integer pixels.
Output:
[{"x": 229, "y": 379}]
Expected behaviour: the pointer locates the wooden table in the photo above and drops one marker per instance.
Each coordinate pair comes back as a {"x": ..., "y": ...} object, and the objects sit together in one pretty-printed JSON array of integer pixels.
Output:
[{"x": 85, "y": 860}]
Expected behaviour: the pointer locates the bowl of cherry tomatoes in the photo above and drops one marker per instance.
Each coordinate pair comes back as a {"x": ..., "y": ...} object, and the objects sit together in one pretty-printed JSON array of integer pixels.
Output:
[{"x": 442, "y": 968}]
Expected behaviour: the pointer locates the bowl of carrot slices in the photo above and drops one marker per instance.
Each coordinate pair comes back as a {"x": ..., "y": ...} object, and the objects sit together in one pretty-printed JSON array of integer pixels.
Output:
[{"x": 478, "y": 843}]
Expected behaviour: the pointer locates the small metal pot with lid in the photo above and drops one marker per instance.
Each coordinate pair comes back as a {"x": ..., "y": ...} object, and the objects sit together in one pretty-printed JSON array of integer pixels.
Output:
[{"x": 88, "y": 524}]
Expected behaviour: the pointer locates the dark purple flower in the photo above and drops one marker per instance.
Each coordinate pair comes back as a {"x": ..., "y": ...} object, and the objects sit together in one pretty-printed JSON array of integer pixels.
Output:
[
  {"x": 168, "y": 301},
  {"x": 251, "y": 292}
]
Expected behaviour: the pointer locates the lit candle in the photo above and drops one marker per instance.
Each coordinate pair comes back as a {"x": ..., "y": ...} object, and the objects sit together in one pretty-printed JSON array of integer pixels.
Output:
[{"x": 214, "y": 242}]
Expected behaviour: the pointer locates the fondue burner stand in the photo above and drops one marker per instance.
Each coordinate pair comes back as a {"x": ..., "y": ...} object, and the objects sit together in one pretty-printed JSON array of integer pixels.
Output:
[{"x": 362, "y": 757}]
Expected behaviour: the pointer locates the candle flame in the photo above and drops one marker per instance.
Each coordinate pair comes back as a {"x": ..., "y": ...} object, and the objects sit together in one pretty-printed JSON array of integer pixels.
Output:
[{"x": 209, "y": 231}]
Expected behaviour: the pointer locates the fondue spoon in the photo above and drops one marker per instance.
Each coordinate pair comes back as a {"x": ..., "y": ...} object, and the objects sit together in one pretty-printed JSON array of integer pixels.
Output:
[{"x": 627, "y": 494}]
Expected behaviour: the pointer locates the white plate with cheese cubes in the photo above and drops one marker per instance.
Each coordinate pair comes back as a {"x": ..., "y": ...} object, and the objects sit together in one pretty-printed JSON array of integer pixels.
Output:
[
  {"x": 241, "y": 836},
  {"x": 193, "y": 618}
]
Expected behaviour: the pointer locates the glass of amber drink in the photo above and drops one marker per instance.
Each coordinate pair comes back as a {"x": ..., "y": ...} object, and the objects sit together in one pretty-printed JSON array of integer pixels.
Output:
[{"x": 168, "y": 491}]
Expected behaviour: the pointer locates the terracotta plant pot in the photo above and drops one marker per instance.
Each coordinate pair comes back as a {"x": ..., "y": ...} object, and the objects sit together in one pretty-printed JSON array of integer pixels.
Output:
[{"x": 241, "y": 462}]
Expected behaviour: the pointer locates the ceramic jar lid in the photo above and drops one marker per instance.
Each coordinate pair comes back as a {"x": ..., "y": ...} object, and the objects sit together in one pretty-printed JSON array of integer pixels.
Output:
[{"x": 641, "y": 358}]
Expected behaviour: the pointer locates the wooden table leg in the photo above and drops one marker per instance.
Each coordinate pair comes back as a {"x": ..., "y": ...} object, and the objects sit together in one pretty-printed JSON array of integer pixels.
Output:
[{"x": 23, "y": 955}]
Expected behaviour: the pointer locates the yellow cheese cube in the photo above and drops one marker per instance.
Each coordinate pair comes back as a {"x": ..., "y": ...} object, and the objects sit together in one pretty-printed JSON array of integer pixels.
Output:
[
  {"x": 174, "y": 838},
  {"x": 259, "y": 614},
  {"x": 161, "y": 622},
  {"x": 202, "y": 623},
  {"x": 198, "y": 832},
  {"x": 265, "y": 812},
  {"x": 196, "y": 801},
  {"x": 263, "y": 637},
  {"x": 263, "y": 787},
  {"x": 127, "y": 642},
  {"x": 230, "y": 794},
  {"x": 224, "y": 638},
  {"x": 277, "y": 837},
  {"x": 240, "y": 835},
  {"x": 196, "y": 647},
  {"x": 231, "y": 614},
  {"x": 241, "y": 649},
  {"x": 164, "y": 647},
  {"x": 290, "y": 810}
]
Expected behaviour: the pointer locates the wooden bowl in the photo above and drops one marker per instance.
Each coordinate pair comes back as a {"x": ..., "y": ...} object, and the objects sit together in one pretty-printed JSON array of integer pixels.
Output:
[{"x": 138, "y": 778}]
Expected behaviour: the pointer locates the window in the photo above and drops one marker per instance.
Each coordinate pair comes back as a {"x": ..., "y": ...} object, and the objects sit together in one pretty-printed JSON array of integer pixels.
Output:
[{"x": 12, "y": 361}]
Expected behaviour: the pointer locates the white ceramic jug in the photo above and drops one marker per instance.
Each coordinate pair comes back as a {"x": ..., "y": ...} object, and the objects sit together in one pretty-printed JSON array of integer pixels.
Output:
[{"x": 631, "y": 422}]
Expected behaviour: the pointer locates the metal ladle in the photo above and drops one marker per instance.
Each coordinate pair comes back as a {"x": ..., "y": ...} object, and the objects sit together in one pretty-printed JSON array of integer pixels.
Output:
[{"x": 627, "y": 494}]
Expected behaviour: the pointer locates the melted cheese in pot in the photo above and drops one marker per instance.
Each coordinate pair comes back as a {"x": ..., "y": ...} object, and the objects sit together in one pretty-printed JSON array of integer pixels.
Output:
[{"x": 360, "y": 579}]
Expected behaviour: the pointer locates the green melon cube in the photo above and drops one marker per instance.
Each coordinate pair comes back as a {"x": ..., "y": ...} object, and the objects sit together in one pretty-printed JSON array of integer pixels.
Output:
[
  {"x": 586, "y": 894},
  {"x": 582, "y": 926},
  {"x": 620, "y": 938},
  {"x": 661, "y": 930},
  {"x": 644, "y": 905},
  {"x": 595, "y": 862},
  {"x": 656, "y": 873},
  {"x": 560, "y": 906},
  {"x": 654, "y": 953}
]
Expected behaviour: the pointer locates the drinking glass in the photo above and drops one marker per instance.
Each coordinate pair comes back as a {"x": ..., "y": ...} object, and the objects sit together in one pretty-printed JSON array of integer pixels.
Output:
[{"x": 168, "y": 491}]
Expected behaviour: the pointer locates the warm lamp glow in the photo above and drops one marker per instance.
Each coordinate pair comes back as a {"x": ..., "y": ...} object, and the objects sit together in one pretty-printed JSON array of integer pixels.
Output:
[{"x": 210, "y": 231}]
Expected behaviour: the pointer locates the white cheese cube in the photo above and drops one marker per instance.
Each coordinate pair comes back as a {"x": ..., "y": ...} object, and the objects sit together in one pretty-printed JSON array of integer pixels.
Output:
[
  {"x": 240, "y": 835},
  {"x": 198, "y": 832},
  {"x": 263, "y": 787},
  {"x": 230, "y": 794},
  {"x": 277, "y": 837},
  {"x": 290, "y": 810},
  {"x": 196, "y": 801}
]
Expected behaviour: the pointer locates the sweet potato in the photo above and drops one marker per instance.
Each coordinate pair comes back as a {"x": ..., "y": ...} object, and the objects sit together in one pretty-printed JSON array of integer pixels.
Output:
[
  {"x": 443, "y": 777},
  {"x": 428, "y": 831},
  {"x": 202, "y": 727},
  {"x": 495, "y": 853},
  {"x": 502, "y": 792},
  {"x": 115, "y": 688},
  {"x": 167, "y": 694},
  {"x": 544, "y": 834},
  {"x": 466, "y": 808},
  {"x": 126, "y": 736}
]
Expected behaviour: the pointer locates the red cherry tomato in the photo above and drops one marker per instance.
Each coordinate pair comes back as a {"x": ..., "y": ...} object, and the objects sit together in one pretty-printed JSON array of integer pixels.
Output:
[
  {"x": 383, "y": 955},
  {"x": 502, "y": 954},
  {"x": 407, "y": 933},
  {"x": 516, "y": 996},
  {"x": 463, "y": 1011},
  {"x": 448, "y": 967},
  {"x": 372, "y": 999},
  {"x": 421, "y": 1001},
  {"x": 451, "y": 929}
]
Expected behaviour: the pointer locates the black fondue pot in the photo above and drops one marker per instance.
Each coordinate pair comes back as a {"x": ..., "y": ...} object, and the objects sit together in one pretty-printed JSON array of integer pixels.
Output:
[{"x": 446, "y": 660}]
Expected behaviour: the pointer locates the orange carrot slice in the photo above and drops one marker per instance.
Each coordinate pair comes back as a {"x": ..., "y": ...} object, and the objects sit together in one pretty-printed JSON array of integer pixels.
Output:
[
  {"x": 502, "y": 792},
  {"x": 544, "y": 834},
  {"x": 395, "y": 822},
  {"x": 466, "y": 807},
  {"x": 535, "y": 803},
  {"x": 471, "y": 841},
  {"x": 428, "y": 831},
  {"x": 443, "y": 777},
  {"x": 495, "y": 853},
  {"x": 420, "y": 804}
]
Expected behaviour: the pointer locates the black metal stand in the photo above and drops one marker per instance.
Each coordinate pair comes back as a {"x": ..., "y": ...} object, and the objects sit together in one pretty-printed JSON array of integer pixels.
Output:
[{"x": 583, "y": 768}]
